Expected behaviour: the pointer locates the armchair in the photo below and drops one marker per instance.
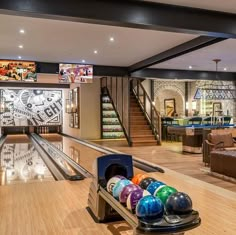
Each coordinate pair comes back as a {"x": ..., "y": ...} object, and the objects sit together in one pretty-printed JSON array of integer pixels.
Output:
[{"x": 214, "y": 141}]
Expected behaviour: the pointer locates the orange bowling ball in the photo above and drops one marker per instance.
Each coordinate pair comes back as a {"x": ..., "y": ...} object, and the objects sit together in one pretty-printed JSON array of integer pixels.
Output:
[{"x": 137, "y": 178}]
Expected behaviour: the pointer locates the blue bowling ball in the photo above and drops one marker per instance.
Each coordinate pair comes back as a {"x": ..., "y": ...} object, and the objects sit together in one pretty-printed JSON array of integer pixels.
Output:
[
  {"x": 154, "y": 186},
  {"x": 118, "y": 187},
  {"x": 149, "y": 208},
  {"x": 179, "y": 204}
]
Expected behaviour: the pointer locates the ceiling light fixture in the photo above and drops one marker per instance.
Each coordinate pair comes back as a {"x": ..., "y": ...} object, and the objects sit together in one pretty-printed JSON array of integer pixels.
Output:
[
  {"x": 22, "y": 31},
  {"x": 215, "y": 89},
  {"x": 225, "y": 69},
  {"x": 111, "y": 39},
  {"x": 19, "y": 57},
  {"x": 83, "y": 61},
  {"x": 20, "y": 46},
  {"x": 190, "y": 67},
  {"x": 95, "y": 52}
]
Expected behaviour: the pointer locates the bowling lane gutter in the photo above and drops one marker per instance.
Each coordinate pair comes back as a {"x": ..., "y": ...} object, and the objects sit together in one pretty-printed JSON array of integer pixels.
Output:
[
  {"x": 81, "y": 171},
  {"x": 140, "y": 164},
  {"x": 51, "y": 166}
]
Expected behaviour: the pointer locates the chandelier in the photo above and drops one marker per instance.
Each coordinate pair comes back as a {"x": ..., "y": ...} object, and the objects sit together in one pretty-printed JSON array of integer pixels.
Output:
[{"x": 216, "y": 89}]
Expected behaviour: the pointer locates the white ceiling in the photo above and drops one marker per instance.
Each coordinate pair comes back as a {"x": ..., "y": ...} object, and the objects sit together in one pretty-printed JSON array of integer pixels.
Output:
[
  {"x": 62, "y": 41},
  {"x": 202, "y": 58},
  {"x": 215, "y": 5}
]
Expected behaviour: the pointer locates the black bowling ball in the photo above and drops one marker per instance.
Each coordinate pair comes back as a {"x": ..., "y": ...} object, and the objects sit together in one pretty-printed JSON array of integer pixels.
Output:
[
  {"x": 179, "y": 204},
  {"x": 146, "y": 181}
]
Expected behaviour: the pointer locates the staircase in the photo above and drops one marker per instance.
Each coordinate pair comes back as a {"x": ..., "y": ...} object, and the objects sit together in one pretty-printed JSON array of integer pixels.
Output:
[{"x": 140, "y": 130}]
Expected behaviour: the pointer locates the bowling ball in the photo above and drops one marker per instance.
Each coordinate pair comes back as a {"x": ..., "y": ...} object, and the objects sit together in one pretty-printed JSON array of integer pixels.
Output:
[
  {"x": 159, "y": 188},
  {"x": 149, "y": 208},
  {"x": 126, "y": 191},
  {"x": 112, "y": 181},
  {"x": 119, "y": 187},
  {"x": 179, "y": 204},
  {"x": 145, "y": 182},
  {"x": 137, "y": 178},
  {"x": 134, "y": 197},
  {"x": 154, "y": 186},
  {"x": 165, "y": 192}
]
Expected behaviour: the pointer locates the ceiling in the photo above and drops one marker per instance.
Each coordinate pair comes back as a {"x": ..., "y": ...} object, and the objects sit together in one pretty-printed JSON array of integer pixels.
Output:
[
  {"x": 202, "y": 58},
  {"x": 214, "y": 5},
  {"x": 62, "y": 41}
]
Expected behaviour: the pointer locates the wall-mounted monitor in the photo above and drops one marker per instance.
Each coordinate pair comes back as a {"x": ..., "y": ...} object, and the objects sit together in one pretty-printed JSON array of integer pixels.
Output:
[
  {"x": 17, "y": 71},
  {"x": 75, "y": 73}
]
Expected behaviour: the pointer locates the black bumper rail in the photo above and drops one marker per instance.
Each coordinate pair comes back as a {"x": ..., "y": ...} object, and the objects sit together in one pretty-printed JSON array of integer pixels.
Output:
[{"x": 140, "y": 164}]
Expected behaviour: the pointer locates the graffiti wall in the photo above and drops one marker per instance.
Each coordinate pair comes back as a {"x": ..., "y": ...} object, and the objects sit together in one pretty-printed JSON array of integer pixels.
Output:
[{"x": 29, "y": 107}]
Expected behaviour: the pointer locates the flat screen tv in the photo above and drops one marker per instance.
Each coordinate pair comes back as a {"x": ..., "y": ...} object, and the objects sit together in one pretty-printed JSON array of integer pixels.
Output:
[
  {"x": 75, "y": 73},
  {"x": 17, "y": 71}
]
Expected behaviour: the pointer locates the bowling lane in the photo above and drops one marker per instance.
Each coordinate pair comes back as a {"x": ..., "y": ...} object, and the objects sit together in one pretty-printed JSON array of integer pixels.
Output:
[
  {"x": 22, "y": 162},
  {"x": 83, "y": 155}
]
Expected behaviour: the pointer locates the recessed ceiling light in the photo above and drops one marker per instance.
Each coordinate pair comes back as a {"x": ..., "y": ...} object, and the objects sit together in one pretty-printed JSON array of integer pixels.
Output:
[
  {"x": 22, "y": 31},
  {"x": 190, "y": 67},
  {"x": 111, "y": 39},
  {"x": 83, "y": 61},
  {"x": 225, "y": 69},
  {"x": 95, "y": 52},
  {"x": 20, "y": 46},
  {"x": 19, "y": 57}
]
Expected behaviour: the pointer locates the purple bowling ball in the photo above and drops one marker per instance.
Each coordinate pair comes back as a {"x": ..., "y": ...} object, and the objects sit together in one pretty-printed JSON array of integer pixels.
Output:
[
  {"x": 126, "y": 191},
  {"x": 134, "y": 198}
]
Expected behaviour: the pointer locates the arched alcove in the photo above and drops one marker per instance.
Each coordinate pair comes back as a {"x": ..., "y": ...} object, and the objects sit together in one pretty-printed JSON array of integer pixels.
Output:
[{"x": 170, "y": 94}]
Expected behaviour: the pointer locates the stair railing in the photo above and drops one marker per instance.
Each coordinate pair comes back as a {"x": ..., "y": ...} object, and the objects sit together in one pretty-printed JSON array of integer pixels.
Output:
[
  {"x": 147, "y": 106},
  {"x": 118, "y": 89}
]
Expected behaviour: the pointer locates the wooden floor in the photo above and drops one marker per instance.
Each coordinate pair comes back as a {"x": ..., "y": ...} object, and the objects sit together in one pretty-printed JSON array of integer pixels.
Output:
[
  {"x": 60, "y": 207},
  {"x": 170, "y": 155}
]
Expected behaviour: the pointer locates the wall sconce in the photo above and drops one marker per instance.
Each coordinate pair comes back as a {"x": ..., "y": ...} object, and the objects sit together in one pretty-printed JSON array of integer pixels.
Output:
[
  {"x": 186, "y": 105},
  {"x": 194, "y": 105},
  {"x": 70, "y": 107}
]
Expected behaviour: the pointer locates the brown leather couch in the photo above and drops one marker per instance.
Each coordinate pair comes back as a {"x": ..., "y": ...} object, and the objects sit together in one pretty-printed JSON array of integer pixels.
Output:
[
  {"x": 224, "y": 162},
  {"x": 217, "y": 141}
]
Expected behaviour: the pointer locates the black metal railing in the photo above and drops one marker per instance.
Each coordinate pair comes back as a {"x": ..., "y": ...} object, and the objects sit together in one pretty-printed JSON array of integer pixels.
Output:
[
  {"x": 118, "y": 89},
  {"x": 147, "y": 106}
]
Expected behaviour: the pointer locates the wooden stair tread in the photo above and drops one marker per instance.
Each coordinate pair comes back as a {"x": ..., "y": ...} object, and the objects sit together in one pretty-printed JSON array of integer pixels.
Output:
[
  {"x": 141, "y": 136},
  {"x": 144, "y": 141}
]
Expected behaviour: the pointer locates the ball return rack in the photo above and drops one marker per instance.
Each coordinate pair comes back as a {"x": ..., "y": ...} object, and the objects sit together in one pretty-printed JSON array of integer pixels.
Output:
[{"x": 104, "y": 207}]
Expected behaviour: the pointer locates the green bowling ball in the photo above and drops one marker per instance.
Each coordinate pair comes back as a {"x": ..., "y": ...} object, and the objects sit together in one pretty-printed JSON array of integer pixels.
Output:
[{"x": 164, "y": 193}]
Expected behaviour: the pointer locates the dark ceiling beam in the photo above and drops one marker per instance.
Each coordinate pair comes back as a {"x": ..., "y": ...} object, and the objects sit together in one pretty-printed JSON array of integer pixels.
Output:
[
  {"x": 184, "y": 48},
  {"x": 99, "y": 70},
  {"x": 34, "y": 84},
  {"x": 184, "y": 74},
  {"x": 128, "y": 13}
]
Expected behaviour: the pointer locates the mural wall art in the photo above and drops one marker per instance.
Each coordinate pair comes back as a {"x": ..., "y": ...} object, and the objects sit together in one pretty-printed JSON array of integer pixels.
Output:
[{"x": 29, "y": 107}]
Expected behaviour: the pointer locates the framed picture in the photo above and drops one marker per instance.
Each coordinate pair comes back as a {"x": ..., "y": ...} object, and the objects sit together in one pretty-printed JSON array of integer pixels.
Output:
[
  {"x": 217, "y": 109},
  {"x": 77, "y": 108},
  {"x": 169, "y": 105},
  {"x": 71, "y": 120}
]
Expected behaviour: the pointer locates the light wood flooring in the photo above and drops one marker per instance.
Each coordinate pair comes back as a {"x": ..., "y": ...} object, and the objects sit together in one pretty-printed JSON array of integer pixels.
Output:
[
  {"x": 170, "y": 155},
  {"x": 60, "y": 207}
]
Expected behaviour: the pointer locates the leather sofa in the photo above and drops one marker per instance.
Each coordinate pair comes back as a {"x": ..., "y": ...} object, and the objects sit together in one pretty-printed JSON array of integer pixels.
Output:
[
  {"x": 224, "y": 162},
  {"x": 217, "y": 141}
]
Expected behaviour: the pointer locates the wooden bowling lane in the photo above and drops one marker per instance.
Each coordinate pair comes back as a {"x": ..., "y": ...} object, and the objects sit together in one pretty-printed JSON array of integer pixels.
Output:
[
  {"x": 80, "y": 153},
  {"x": 21, "y": 162}
]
